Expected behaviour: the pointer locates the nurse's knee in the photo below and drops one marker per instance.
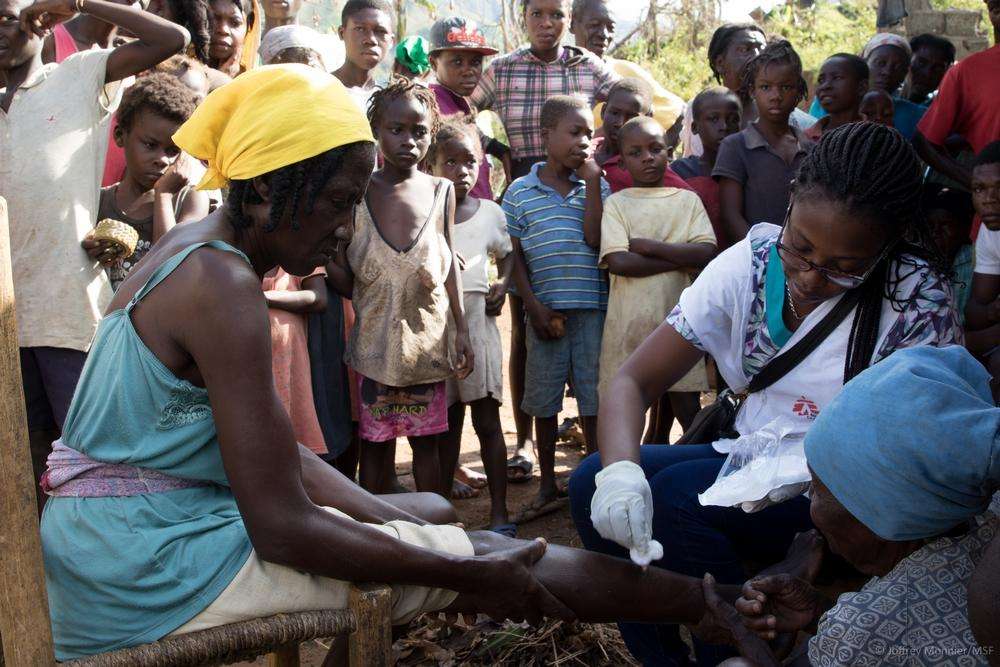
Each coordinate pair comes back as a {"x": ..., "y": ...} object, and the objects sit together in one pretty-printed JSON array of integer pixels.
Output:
[{"x": 581, "y": 483}]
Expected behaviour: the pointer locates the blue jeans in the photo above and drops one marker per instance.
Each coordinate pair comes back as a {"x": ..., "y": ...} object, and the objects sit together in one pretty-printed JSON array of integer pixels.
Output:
[{"x": 695, "y": 539}]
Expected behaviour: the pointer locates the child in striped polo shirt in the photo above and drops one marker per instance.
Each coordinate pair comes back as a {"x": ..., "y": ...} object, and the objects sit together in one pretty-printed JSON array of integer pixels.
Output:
[{"x": 554, "y": 221}]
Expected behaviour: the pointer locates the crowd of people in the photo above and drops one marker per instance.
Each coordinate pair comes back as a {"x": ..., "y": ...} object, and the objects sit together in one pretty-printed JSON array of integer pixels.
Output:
[{"x": 245, "y": 265}]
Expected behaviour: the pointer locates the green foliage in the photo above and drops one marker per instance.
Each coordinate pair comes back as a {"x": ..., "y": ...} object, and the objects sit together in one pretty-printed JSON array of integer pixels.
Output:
[
  {"x": 818, "y": 31},
  {"x": 977, "y": 5}
]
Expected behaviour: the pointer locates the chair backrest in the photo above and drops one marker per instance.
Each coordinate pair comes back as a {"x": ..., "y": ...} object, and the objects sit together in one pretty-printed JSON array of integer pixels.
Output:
[{"x": 24, "y": 606}]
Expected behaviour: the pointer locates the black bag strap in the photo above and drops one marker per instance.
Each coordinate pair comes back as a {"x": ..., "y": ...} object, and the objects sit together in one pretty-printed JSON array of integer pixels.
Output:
[{"x": 779, "y": 366}]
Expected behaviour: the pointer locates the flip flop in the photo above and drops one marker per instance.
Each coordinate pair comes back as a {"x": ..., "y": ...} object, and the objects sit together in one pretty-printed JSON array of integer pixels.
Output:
[
  {"x": 522, "y": 464},
  {"x": 505, "y": 529}
]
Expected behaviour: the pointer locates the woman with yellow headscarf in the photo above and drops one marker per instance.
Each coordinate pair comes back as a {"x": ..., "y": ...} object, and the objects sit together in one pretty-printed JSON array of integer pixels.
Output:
[{"x": 178, "y": 497}]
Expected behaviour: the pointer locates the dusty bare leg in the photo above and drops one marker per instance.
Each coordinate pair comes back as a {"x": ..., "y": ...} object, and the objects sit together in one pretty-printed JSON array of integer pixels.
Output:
[
  {"x": 430, "y": 507},
  {"x": 492, "y": 449},
  {"x": 545, "y": 428},
  {"x": 603, "y": 589},
  {"x": 427, "y": 465},
  {"x": 589, "y": 426},
  {"x": 371, "y": 471},
  {"x": 449, "y": 448},
  {"x": 518, "y": 359}
]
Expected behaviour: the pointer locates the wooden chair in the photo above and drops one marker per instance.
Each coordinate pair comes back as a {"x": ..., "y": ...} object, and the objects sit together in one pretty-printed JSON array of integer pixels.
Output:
[{"x": 24, "y": 611}]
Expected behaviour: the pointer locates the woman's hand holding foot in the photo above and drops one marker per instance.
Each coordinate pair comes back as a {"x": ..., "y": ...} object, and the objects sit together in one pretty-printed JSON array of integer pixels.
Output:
[
  {"x": 780, "y": 603},
  {"x": 725, "y": 618}
]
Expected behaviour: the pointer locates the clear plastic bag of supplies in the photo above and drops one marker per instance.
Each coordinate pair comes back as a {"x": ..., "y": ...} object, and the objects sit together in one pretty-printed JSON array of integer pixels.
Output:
[{"x": 763, "y": 468}]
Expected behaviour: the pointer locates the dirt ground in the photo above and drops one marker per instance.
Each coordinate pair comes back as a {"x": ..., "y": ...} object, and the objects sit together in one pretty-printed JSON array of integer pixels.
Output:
[{"x": 556, "y": 527}]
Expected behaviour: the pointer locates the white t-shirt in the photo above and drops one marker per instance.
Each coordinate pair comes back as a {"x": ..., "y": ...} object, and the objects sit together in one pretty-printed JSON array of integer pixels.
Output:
[
  {"x": 476, "y": 239},
  {"x": 53, "y": 142},
  {"x": 716, "y": 311},
  {"x": 987, "y": 252}
]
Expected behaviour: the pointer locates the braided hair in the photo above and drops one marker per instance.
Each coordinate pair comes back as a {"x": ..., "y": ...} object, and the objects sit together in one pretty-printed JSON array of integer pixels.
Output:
[
  {"x": 298, "y": 184},
  {"x": 400, "y": 88},
  {"x": 874, "y": 173},
  {"x": 722, "y": 38},
  {"x": 778, "y": 52}
]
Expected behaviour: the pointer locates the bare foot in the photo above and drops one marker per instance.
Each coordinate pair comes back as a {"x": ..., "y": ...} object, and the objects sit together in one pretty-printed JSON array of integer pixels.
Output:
[
  {"x": 462, "y": 491},
  {"x": 804, "y": 557},
  {"x": 473, "y": 478}
]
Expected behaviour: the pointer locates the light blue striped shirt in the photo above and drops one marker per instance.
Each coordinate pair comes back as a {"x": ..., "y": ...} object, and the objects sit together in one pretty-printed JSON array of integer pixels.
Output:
[{"x": 561, "y": 266}]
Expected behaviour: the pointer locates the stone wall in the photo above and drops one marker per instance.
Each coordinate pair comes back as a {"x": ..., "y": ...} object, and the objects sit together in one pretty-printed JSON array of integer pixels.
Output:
[{"x": 961, "y": 26}]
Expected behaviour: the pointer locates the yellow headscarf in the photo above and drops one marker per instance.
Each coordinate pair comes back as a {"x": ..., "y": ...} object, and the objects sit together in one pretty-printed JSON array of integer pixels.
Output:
[{"x": 269, "y": 118}]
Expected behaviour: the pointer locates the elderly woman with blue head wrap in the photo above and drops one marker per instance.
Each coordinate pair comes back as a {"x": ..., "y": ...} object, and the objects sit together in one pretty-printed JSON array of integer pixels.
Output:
[
  {"x": 179, "y": 498},
  {"x": 904, "y": 462}
]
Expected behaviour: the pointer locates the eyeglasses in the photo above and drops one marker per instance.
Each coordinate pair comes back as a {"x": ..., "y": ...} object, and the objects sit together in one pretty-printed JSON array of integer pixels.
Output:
[{"x": 839, "y": 278}]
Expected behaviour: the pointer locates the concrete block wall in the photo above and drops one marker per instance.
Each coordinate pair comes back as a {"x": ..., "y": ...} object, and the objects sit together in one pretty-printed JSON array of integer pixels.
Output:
[{"x": 961, "y": 26}]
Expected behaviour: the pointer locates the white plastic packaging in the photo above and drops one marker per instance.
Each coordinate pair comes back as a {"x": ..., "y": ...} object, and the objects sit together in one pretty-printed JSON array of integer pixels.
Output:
[{"x": 763, "y": 468}]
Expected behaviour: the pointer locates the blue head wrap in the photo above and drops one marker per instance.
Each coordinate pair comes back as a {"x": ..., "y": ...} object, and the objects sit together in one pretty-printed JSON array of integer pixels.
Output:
[{"x": 910, "y": 447}]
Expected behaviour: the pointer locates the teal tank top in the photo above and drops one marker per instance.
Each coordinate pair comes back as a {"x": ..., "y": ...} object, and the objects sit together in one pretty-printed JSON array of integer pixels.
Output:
[{"x": 123, "y": 571}]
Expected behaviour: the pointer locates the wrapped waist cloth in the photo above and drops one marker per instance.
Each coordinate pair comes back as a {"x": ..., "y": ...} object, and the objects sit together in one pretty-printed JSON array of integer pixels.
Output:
[{"x": 73, "y": 474}]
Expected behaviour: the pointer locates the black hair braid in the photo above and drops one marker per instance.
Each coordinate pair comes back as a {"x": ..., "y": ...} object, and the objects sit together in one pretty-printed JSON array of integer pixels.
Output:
[
  {"x": 865, "y": 327},
  {"x": 291, "y": 186}
]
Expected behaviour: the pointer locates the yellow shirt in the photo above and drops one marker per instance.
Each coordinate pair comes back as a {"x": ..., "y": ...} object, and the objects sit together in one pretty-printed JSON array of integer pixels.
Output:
[
  {"x": 667, "y": 107},
  {"x": 637, "y": 306}
]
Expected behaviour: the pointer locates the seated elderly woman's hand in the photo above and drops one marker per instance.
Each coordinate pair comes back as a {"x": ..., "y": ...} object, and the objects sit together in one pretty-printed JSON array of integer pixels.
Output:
[
  {"x": 780, "y": 603},
  {"x": 729, "y": 627},
  {"x": 510, "y": 590}
]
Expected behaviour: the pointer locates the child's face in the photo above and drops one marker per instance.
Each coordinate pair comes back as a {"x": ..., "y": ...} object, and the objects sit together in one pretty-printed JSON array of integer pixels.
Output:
[
  {"x": 986, "y": 194},
  {"x": 717, "y": 118},
  {"x": 887, "y": 66},
  {"x": 458, "y": 161},
  {"x": 644, "y": 154},
  {"x": 948, "y": 232},
  {"x": 16, "y": 46},
  {"x": 594, "y": 28},
  {"x": 776, "y": 91},
  {"x": 742, "y": 47},
  {"x": 148, "y": 146},
  {"x": 367, "y": 36},
  {"x": 877, "y": 107},
  {"x": 545, "y": 22},
  {"x": 568, "y": 142},
  {"x": 404, "y": 132},
  {"x": 621, "y": 107},
  {"x": 458, "y": 70},
  {"x": 229, "y": 29},
  {"x": 837, "y": 87}
]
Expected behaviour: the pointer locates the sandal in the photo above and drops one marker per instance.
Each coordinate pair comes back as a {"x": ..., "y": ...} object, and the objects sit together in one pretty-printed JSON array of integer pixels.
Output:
[{"x": 519, "y": 469}]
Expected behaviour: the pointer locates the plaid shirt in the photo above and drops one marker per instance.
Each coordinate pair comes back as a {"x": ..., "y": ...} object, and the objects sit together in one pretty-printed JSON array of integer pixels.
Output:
[{"x": 517, "y": 84}]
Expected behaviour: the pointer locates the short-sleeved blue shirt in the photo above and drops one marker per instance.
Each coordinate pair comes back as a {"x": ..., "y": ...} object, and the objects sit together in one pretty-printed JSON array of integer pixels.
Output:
[{"x": 561, "y": 266}]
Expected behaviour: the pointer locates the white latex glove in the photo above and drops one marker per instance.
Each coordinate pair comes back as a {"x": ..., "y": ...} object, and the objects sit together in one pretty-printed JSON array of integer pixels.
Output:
[{"x": 622, "y": 511}]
